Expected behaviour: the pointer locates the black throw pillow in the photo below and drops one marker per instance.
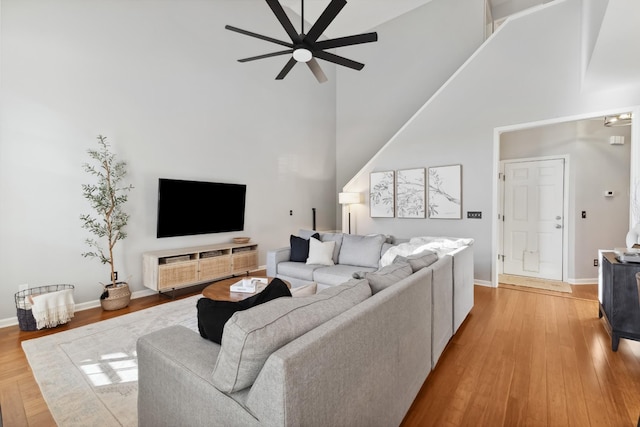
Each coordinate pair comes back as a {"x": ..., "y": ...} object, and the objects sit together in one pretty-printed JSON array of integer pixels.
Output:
[
  {"x": 300, "y": 248},
  {"x": 212, "y": 314}
]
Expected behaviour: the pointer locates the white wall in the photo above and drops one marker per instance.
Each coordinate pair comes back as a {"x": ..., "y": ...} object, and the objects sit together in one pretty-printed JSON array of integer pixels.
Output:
[
  {"x": 416, "y": 53},
  {"x": 586, "y": 143},
  {"x": 521, "y": 75},
  {"x": 160, "y": 79}
]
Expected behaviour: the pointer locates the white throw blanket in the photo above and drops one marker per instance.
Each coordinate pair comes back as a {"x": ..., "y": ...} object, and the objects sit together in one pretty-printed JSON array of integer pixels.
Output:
[
  {"x": 53, "y": 308},
  {"x": 440, "y": 245}
]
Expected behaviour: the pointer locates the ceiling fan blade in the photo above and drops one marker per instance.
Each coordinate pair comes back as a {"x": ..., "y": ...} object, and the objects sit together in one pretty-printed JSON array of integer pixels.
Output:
[
  {"x": 347, "y": 41},
  {"x": 338, "y": 60},
  {"x": 258, "y": 36},
  {"x": 267, "y": 55},
  {"x": 289, "y": 65},
  {"x": 325, "y": 19},
  {"x": 316, "y": 70},
  {"x": 277, "y": 9}
]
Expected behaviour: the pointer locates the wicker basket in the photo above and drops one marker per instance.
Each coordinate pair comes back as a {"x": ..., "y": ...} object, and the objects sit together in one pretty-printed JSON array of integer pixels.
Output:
[
  {"x": 117, "y": 296},
  {"x": 26, "y": 321}
]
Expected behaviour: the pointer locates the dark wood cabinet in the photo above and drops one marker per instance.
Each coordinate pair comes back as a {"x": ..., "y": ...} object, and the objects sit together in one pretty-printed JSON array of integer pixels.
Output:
[{"x": 619, "y": 299}]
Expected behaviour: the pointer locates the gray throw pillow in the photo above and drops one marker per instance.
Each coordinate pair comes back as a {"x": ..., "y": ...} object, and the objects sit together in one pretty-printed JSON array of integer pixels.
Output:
[
  {"x": 387, "y": 276},
  {"x": 361, "y": 251},
  {"x": 336, "y": 237},
  {"x": 418, "y": 261}
]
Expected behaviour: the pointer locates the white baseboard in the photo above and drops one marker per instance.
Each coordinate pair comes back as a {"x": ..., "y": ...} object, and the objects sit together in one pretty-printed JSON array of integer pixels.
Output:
[
  {"x": 582, "y": 281},
  {"x": 11, "y": 321},
  {"x": 483, "y": 283}
]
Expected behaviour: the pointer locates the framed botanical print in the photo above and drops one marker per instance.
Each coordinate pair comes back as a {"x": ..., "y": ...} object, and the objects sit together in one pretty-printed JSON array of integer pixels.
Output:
[
  {"x": 382, "y": 194},
  {"x": 410, "y": 193},
  {"x": 445, "y": 192}
]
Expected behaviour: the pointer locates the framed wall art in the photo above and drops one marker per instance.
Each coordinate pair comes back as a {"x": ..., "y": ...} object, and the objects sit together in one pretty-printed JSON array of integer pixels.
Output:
[
  {"x": 410, "y": 193},
  {"x": 445, "y": 192},
  {"x": 381, "y": 194}
]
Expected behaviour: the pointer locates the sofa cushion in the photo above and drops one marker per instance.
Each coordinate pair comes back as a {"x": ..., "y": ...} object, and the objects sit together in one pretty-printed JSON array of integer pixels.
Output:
[
  {"x": 335, "y": 237},
  {"x": 320, "y": 252},
  {"x": 304, "y": 290},
  {"x": 250, "y": 336},
  {"x": 337, "y": 274},
  {"x": 353, "y": 291},
  {"x": 212, "y": 314},
  {"x": 419, "y": 260},
  {"x": 300, "y": 248},
  {"x": 363, "y": 251},
  {"x": 387, "y": 276},
  {"x": 299, "y": 270}
]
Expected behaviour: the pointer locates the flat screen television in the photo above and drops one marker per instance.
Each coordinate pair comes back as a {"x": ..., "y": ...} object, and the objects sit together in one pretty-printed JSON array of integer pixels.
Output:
[{"x": 198, "y": 207}]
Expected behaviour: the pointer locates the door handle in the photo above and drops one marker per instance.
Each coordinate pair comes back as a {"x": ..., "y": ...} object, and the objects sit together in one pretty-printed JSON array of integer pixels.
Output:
[
  {"x": 558, "y": 218},
  {"x": 558, "y": 226}
]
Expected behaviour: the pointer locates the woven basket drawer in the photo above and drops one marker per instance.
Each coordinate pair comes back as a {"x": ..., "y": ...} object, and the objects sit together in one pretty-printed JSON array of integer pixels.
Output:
[
  {"x": 214, "y": 267},
  {"x": 177, "y": 274},
  {"x": 245, "y": 261}
]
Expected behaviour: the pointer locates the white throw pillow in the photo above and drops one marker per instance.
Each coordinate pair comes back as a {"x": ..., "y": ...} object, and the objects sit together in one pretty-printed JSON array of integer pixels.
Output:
[
  {"x": 304, "y": 291},
  {"x": 320, "y": 252}
]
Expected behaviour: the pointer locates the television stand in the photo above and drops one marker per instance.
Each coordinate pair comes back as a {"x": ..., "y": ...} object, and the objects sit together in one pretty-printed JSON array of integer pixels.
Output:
[{"x": 171, "y": 269}]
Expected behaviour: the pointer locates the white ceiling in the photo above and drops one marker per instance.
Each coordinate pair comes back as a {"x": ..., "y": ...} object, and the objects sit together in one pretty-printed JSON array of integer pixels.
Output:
[
  {"x": 615, "y": 59},
  {"x": 360, "y": 16}
]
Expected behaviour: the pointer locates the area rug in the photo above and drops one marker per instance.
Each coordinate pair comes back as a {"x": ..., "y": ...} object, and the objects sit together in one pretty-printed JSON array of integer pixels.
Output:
[
  {"x": 89, "y": 375},
  {"x": 532, "y": 282}
]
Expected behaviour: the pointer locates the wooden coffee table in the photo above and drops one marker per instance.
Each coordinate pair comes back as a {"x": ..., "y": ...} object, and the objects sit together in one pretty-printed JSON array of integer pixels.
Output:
[{"x": 219, "y": 291}]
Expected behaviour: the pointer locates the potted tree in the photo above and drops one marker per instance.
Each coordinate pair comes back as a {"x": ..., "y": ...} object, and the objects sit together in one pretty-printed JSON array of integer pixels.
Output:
[{"x": 107, "y": 197}]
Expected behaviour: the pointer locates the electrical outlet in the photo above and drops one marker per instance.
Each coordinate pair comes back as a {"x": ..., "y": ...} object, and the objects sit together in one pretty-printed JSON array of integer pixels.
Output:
[
  {"x": 584, "y": 214},
  {"x": 290, "y": 212},
  {"x": 115, "y": 276},
  {"x": 474, "y": 214},
  {"x": 595, "y": 262}
]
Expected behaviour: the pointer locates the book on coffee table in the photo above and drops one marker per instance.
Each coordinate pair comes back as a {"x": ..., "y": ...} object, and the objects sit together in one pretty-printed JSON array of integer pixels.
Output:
[{"x": 249, "y": 285}]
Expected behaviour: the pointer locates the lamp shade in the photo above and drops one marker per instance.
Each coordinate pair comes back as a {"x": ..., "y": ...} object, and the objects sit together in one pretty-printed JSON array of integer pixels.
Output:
[{"x": 349, "y": 198}]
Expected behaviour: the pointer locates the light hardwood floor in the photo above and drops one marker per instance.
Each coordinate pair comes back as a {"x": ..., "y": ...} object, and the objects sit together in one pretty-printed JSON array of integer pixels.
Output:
[{"x": 523, "y": 357}]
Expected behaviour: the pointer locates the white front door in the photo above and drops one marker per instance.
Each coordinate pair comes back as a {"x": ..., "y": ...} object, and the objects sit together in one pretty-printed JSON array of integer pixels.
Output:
[{"x": 533, "y": 218}]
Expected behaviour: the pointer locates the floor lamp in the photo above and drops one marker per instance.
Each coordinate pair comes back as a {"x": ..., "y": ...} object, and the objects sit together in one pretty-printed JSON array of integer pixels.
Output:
[{"x": 349, "y": 199}]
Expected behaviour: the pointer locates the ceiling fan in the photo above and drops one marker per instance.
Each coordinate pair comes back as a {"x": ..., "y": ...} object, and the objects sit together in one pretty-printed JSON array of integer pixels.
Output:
[{"x": 306, "y": 47}]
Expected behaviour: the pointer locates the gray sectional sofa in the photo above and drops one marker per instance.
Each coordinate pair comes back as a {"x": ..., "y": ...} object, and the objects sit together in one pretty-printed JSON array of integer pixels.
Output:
[
  {"x": 351, "y": 254},
  {"x": 355, "y": 254},
  {"x": 355, "y": 354}
]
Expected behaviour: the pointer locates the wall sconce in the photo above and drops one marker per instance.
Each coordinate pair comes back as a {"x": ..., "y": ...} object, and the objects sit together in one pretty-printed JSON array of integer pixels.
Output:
[{"x": 349, "y": 199}]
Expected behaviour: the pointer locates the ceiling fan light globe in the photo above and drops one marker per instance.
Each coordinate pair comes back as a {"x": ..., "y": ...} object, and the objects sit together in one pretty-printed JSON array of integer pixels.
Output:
[{"x": 302, "y": 55}]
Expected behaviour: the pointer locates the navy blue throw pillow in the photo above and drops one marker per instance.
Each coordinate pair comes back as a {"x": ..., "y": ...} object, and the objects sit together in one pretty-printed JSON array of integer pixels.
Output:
[
  {"x": 300, "y": 248},
  {"x": 212, "y": 314}
]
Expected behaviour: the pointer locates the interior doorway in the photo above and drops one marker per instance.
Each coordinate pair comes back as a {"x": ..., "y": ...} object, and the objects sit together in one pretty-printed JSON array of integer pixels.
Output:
[{"x": 594, "y": 166}]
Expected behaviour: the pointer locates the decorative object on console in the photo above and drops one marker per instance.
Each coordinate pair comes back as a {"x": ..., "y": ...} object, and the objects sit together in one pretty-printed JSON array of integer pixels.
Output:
[
  {"x": 349, "y": 199},
  {"x": 107, "y": 197},
  {"x": 241, "y": 239},
  {"x": 382, "y": 194},
  {"x": 410, "y": 193},
  {"x": 445, "y": 192},
  {"x": 305, "y": 47}
]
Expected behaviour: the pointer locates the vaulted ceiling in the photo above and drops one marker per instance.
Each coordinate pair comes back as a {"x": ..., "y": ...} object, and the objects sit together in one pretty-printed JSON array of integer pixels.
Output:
[
  {"x": 364, "y": 15},
  {"x": 615, "y": 58}
]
